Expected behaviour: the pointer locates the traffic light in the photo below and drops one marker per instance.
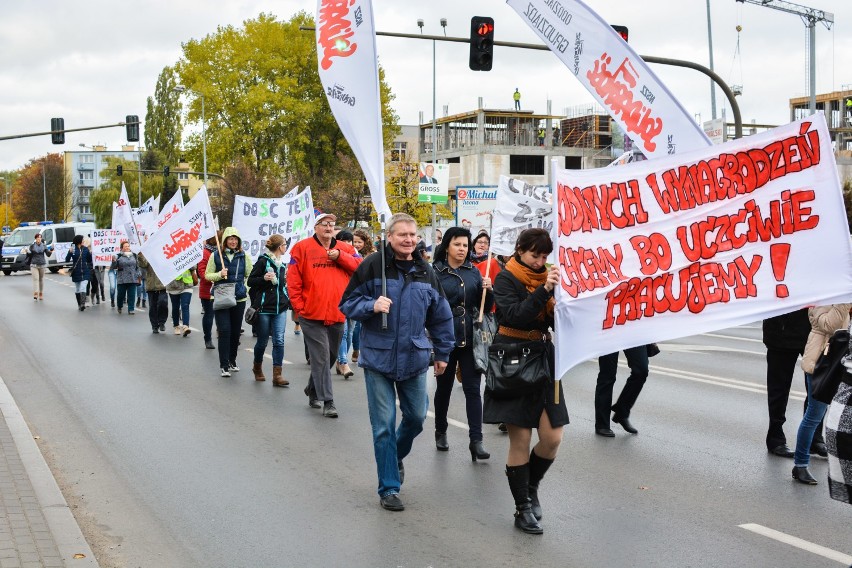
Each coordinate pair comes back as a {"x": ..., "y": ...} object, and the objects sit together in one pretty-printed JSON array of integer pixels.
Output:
[
  {"x": 622, "y": 31},
  {"x": 131, "y": 123},
  {"x": 481, "y": 43},
  {"x": 165, "y": 171},
  {"x": 119, "y": 169},
  {"x": 57, "y": 130}
]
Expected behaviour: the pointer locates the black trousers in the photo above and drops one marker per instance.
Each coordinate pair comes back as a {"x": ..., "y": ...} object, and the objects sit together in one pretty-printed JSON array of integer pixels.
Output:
[
  {"x": 471, "y": 381},
  {"x": 229, "y": 322},
  {"x": 637, "y": 360},
  {"x": 780, "y": 368},
  {"x": 158, "y": 307}
]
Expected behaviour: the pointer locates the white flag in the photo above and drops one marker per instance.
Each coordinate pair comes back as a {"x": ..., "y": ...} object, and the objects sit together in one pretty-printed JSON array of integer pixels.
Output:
[
  {"x": 173, "y": 207},
  {"x": 123, "y": 218},
  {"x": 614, "y": 74},
  {"x": 179, "y": 244},
  {"x": 348, "y": 69}
]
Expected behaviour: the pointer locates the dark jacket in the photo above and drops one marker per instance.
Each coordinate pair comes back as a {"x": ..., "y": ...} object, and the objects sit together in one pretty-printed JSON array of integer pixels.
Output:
[
  {"x": 81, "y": 263},
  {"x": 402, "y": 350},
  {"x": 152, "y": 281},
  {"x": 236, "y": 265},
  {"x": 463, "y": 290},
  {"x": 267, "y": 297},
  {"x": 788, "y": 331},
  {"x": 517, "y": 307},
  {"x": 38, "y": 254}
]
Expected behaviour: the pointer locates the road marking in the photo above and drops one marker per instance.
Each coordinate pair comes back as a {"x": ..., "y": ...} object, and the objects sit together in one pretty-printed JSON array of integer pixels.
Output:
[
  {"x": 845, "y": 559},
  {"x": 690, "y": 348},
  {"x": 268, "y": 356},
  {"x": 732, "y": 337}
]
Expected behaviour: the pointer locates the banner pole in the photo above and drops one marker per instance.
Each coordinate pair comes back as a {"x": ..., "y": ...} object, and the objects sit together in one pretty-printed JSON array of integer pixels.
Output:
[
  {"x": 484, "y": 291},
  {"x": 384, "y": 276}
]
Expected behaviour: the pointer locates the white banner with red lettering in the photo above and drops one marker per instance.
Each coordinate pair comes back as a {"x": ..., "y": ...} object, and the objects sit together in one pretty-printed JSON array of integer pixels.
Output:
[
  {"x": 179, "y": 244},
  {"x": 614, "y": 74},
  {"x": 146, "y": 215},
  {"x": 123, "y": 218},
  {"x": 704, "y": 240},
  {"x": 171, "y": 208},
  {"x": 348, "y": 69},
  {"x": 106, "y": 244}
]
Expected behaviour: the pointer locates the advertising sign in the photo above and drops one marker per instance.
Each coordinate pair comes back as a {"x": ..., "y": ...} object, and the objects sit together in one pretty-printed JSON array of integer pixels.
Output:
[
  {"x": 475, "y": 206},
  {"x": 434, "y": 183}
]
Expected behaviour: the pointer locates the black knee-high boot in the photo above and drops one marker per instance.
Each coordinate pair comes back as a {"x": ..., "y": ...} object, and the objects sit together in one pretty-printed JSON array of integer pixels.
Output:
[
  {"x": 538, "y": 467},
  {"x": 519, "y": 481},
  {"x": 81, "y": 301}
]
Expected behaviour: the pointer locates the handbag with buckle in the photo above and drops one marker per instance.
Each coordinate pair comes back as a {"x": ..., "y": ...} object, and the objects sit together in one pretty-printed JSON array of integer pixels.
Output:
[{"x": 515, "y": 369}]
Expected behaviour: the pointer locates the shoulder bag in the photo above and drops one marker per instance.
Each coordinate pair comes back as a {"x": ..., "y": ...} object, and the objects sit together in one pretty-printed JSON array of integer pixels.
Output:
[
  {"x": 224, "y": 296},
  {"x": 483, "y": 334},
  {"x": 829, "y": 368},
  {"x": 515, "y": 369},
  {"x": 74, "y": 266}
]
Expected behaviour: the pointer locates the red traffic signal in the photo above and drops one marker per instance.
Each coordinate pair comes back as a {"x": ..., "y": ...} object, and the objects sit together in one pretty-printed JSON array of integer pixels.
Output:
[
  {"x": 481, "y": 43},
  {"x": 621, "y": 30}
]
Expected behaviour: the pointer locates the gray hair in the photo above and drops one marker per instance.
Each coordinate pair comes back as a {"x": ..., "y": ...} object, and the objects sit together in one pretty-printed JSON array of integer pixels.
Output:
[{"x": 400, "y": 218}]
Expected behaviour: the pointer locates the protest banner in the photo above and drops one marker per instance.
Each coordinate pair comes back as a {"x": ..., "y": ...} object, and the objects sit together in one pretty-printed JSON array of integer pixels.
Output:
[
  {"x": 106, "y": 244},
  {"x": 257, "y": 219},
  {"x": 704, "y": 240},
  {"x": 475, "y": 206},
  {"x": 146, "y": 216},
  {"x": 172, "y": 207},
  {"x": 179, "y": 244},
  {"x": 123, "y": 218},
  {"x": 614, "y": 74},
  {"x": 519, "y": 205},
  {"x": 348, "y": 69}
]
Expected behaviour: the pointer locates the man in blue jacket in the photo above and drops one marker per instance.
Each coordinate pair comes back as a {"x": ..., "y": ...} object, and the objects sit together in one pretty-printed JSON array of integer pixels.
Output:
[{"x": 395, "y": 360}]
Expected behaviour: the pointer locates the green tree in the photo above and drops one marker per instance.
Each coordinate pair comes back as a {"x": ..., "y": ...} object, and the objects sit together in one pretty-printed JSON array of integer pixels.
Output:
[
  {"x": 264, "y": 103},
  {"x": 41, "y": 184},
  {"x": 163, "y": 118},
  {"x": 152, "y": 184}
]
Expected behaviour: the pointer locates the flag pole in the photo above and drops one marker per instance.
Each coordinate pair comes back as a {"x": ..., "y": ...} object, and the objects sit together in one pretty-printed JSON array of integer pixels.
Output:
[
  {"x": 484, "y": 291},
  {"x": 384, "y": 276}
]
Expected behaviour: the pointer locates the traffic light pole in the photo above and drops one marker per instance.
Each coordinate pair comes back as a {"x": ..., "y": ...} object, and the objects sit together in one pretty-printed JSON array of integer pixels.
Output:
[
  {"x": 49, "y": 132},
  {"x": 735, "y": 108}
]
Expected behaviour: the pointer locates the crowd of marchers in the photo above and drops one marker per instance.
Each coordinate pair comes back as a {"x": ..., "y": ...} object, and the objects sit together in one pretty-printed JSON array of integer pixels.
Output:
[{"x": 386, "y": 307}]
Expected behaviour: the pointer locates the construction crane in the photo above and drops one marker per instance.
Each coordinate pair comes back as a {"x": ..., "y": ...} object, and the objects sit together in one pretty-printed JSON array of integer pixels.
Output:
[{"x": 810, "y": 16}]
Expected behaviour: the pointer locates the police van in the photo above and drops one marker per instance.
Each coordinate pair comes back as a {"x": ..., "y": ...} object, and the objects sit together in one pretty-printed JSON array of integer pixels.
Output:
[{"x": 58, "y": 236}]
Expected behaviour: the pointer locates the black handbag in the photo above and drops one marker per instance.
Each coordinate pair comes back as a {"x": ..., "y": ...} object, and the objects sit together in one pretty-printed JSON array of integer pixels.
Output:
[
  {"x": 829, "y": 368},
  {"x": 483, "y": 334},
  {"x": 653, "y": 349},
  {"x": 515, "y": 369}
]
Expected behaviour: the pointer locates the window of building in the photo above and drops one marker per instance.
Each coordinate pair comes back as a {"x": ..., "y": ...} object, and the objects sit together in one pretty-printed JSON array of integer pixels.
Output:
[
  {"x": 87, "y": 175},
  {"x": 183, "y": 176},
  {"x": 573, "y": 163},
  {"x": 526, "y": 165},
  {"x": 399, "y": 152},
  {"x": 83, "y": 192},
  {"x": 456, "y": 160},
  {"x": 87, "y": 159},
  {"x": 85, "y": 210}
]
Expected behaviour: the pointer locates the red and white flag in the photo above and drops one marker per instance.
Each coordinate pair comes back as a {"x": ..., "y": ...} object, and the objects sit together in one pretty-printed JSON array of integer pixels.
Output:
[
  {"x": 172, "y": 207},
  {"x": 123, "y": 218},
  {"x": 614, "y": 74},
  {"x": 179, "y": 244},
  {"x": 348, "y": 69}
]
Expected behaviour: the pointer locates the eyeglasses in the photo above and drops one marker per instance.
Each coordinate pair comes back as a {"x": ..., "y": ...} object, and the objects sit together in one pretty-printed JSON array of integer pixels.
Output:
[{"x": 326, "y": 224}]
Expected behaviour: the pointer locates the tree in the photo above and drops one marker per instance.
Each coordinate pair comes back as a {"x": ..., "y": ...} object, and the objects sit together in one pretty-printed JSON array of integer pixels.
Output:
[
  {"x": 240, "y": 179},
  {"x": 41, "y": 184},
  {"x": 7, "y": 200},
  {"x": 163, "y": 118},
  {"x": 264, "y": 103}
]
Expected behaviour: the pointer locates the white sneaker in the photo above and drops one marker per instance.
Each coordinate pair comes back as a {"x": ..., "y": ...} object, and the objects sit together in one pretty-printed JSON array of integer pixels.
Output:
[
  {"x": 233, "y": 368},
  {"x": 178, "y": 330},
  {"x": 226, "y": 373},
  {"x": 186, "y": 330}
]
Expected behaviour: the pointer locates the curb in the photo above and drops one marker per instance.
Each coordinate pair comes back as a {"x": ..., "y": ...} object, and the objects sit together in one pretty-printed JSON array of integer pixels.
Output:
[{"x": 61, "y": 522}]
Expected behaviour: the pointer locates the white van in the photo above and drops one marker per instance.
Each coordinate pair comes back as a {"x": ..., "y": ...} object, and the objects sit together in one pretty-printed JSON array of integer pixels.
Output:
[{"x": 56, "y": 235}]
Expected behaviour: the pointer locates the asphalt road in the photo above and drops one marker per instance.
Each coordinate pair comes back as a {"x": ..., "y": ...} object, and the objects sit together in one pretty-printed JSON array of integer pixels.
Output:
[{"x": 167, "y": 464}]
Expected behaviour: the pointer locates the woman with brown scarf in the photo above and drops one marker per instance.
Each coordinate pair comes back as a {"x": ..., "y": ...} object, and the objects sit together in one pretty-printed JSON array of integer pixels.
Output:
[{"x": 523, "y": 293}]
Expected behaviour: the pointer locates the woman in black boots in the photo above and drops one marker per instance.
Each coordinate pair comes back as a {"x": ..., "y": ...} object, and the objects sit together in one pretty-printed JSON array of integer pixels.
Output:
[
  {"x": 80, "y": 269},
  {"x": 463, "y": 286},
  {"x": 523, "y": 293}
]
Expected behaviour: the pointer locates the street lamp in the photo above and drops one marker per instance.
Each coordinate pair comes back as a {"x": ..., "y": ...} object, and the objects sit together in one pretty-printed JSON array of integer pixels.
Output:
[{"x": 180, "y": 89}]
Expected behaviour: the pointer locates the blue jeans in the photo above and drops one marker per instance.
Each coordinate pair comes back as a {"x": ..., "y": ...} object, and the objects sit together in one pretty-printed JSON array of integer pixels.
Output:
[
  {"x": 391, "y": 446},
  {"x": 276, "y": 324},
  {"x": 180, "y": 307},
  {"x": 356, "y": 336},
  {"x": 345, "y": 343},
  {"x": 128, "y": 291},
  {"x": 813, "y": 416},
  {"x": 207, "y": 319}
]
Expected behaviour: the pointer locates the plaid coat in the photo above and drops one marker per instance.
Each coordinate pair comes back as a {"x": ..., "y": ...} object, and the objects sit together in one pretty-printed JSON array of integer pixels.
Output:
[{"x": 838, "y": 442}]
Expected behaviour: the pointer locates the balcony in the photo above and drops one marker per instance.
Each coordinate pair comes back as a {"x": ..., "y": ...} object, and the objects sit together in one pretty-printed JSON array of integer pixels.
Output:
[{"x": 85, "y": 167}]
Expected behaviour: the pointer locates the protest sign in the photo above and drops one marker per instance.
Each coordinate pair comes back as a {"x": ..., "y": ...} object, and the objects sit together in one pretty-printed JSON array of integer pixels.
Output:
[
  {"x": 106, "y": 243},
  {"x": 179, "y": 244},
  {"x": 519, "y": 206},
  {"x": 703, "y": 240},
  {"x": 348, "y": 69},
  {"x": 172, "y": 207},
  {"x": 614, "y": 74},
  {"x": 474, "y": 207},
  {"x": 257, "y": 219},
  {"x": 146, "y": 216}
]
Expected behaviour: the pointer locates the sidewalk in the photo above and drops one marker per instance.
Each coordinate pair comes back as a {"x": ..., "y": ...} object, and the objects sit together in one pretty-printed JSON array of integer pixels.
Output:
[{"x": 37, "y": 529}]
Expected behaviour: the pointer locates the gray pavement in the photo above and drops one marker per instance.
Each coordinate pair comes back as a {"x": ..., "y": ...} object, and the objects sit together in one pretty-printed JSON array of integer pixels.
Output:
[{"x": 36, "y": 526}]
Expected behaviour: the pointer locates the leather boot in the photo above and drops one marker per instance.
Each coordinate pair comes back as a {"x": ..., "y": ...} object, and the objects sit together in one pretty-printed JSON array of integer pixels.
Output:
[
  {"x": 277, "y": 379},
  {"x": 519, "y": 483},
  {"x": 538, "y": 467},
  {"x": 257, "y": 369},
  {"x": 441, "y": 441},
  {"x": 81, "y": 302}
]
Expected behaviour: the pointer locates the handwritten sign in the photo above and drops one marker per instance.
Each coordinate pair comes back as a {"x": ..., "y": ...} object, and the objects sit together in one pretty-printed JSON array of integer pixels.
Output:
[
  {"x": 519, "y": 206},
  {"x": 106, "y": 243},
  {"x": 257, "y": 219}
]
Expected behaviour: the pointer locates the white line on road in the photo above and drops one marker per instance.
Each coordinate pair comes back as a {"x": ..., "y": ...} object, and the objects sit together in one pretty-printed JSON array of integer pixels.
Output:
[
  {"x": 732, "y": 337},
  {"x": 799, "y": 543},
  {"x": 268, "y": 356}
]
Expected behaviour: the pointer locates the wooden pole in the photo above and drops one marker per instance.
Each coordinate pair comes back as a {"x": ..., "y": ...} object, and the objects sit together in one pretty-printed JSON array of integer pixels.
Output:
[{"x": 484, "y": 291}]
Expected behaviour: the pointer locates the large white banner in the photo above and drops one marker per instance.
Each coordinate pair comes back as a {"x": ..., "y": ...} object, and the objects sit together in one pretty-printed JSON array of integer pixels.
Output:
[
  {"x": 257, "y": 219},
  {"x": 700, "y": 241},
  {"x": 348, "y": 69},
  {"x": 519, "y": 206},
  {"x": 145, "y": 216},
  {"x": 123, "y": 218},
  {"x": 106, "y": 244},
  {"x": 614, "y": 74},
  {"x": 172, "y": 208},
  {"x": 179, "y": 244}
]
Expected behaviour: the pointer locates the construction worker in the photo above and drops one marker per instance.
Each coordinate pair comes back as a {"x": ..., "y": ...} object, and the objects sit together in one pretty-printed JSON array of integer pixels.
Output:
[{"x": 517, "y": 97}]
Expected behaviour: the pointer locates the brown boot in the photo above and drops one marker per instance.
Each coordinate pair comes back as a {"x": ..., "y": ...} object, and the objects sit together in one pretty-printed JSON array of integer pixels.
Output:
[
  {"x": 257, "y": 369},
  {"x": 277, "y": 379},
  {"x": 355, "y": 355},
  {"x": 343, "y": 369}
]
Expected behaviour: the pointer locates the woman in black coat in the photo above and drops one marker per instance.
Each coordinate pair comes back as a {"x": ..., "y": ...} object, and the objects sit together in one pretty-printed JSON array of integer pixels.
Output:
[
  {"x": 463, "y": 286},
  {"x": 80, "y": 270},
  {"x": 523, "y": 293}
]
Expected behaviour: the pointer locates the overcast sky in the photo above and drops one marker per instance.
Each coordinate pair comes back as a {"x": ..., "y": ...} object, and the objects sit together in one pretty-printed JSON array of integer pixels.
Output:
[{"x": 94, "y": 62}]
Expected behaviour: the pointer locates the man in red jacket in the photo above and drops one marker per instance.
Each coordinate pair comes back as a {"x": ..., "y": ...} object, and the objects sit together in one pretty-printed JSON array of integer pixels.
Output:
[{"x": 319, "y": 272}]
